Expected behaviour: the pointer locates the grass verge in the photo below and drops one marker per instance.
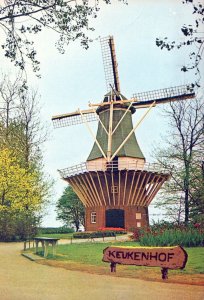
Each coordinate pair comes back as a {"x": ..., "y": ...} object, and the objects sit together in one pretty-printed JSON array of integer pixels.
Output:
[
  {"x": 64, "y": 236},
  {"x": 87, "y": 257}
]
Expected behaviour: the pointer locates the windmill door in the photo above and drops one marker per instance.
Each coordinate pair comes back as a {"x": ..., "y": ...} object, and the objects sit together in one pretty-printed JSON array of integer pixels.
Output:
[{"x": 115, "y": 218}]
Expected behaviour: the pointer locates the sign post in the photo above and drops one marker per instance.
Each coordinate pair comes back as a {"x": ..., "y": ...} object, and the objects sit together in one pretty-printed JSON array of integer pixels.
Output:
[{"x": 164, "y": 257}]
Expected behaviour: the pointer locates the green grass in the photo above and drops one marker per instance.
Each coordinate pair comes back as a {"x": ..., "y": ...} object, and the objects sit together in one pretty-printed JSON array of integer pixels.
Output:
[
  {"x": 91, "y": 254},
  {"x": 66, "y": 236},
  {"x": 56, "y": 235}
]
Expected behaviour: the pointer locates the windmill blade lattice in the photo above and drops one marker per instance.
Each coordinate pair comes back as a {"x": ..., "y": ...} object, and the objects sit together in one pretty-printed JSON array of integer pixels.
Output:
[
  {"x": 73, "y": 119},
  {"x": 110, "y": 63},
  {"x": 166, "y": 95}
]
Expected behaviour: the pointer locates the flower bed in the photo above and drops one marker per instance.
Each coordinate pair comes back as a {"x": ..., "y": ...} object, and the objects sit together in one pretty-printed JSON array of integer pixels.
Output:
[{"x": 170, "y": 235}]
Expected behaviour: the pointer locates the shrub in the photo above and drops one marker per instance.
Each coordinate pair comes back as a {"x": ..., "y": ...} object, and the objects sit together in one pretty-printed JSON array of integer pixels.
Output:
[
  {"x": 50, "y": 230},
  {"x": 94, "y": 234},
  {"x": 171, "y": 235}
]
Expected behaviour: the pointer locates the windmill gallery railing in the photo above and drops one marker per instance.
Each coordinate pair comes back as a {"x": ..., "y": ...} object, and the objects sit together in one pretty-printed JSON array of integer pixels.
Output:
[{"x": 112, "y": 166}]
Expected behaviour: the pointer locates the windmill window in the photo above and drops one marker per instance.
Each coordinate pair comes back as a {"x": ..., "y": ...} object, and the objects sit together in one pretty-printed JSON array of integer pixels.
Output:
[
  {"x": 93, "y": 217},
  {"x": 138, "y": 224},
  {"x": 138, "y": 216},
  {"x": 114, "y": 189}
]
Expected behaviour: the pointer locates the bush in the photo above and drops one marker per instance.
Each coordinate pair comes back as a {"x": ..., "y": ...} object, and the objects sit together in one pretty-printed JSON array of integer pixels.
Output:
[
  {"x": 50, "y": 230},
  {"x": 171, "y": 235},
  {"x": 95, "y": 234},
  {"x": 102, "y": 232},
  {"x": 17, "y": 226}
]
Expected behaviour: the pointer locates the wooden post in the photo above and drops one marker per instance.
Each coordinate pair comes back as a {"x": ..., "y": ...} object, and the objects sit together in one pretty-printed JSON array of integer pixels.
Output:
[
  {"x": 36, "y": 247},
  {"x": 93, "y": 135},
  {"x": 131, "y": 132},
  {"x": 45, "y": 248},
  {"x": 110, "y": 132},
  {"x": 164, "y": 272},
  {"x": 122, "y": 118},
  {"x": 113, "y": 267},
  {"x": 54, "y": 244}
]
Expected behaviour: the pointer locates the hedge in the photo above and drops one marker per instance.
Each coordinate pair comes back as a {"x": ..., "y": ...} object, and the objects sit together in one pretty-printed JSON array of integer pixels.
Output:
[
  {"x": 50, "y": 230},
  {"x": 96, "y": 234}
]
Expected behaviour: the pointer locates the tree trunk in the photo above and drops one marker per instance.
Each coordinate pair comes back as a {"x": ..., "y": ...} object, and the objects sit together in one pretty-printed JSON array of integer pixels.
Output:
[{"x": 186, "y": 207}]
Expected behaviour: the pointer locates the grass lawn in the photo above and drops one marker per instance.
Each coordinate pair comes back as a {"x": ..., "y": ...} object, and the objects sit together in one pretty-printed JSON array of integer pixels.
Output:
[
  {"x": 66, "y": 236},
  {"x": 56, "y": 235},
  {"x": 91, "y": 254}
]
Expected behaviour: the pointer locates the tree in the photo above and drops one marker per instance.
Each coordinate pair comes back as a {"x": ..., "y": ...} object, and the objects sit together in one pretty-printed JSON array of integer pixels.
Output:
[
  {"x": 20, "y": 195},
  {"x": 197, "y": 200},
  {"x": 23, "y": 184},
  {"x": 20, "y": 126},
  {"x": 69, "y": 209},
  {"x": 183, "y": 157},
  {"x": 195, "y": 38},
  {"x": 22, "y": 19}
]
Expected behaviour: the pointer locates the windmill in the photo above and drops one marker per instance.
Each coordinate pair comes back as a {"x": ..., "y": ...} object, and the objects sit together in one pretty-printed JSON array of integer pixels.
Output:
[{"x": 116, "y": 184}]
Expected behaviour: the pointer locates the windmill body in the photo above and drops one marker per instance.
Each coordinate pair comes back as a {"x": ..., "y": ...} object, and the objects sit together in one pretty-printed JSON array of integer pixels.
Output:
[{"x": 116, "y": 184}]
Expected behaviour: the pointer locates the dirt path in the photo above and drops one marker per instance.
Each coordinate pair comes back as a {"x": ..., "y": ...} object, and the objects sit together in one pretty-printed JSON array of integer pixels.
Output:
[{"x": 21, "y": 279}]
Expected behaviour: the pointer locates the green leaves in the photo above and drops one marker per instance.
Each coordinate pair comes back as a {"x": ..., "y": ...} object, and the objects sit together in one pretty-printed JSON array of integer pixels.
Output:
[
  {"x": 69, "y": 209},
  {"x": 192, "y": 33},
  {"x": 69, "y": 19}
]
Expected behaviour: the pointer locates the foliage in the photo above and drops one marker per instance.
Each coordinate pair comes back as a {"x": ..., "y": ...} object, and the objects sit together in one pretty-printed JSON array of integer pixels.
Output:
[
  {"x": 98, "y": 234},
  {"x": 22, "y": 20},
  {"x": 182, "y": 196},
  {"x": 195, "y": 40},
  {"x": 168, "y": 234},
  {"x": 24, "y": 189},
  {"x": 70, "y": 209},
  {"x": 20, "y": 199},
  {"x": 17, "y": 225},
  {"x": 55, "y": 230},
  {"x": 19, "y": 189},
  {"x": 20, "y": 126}
]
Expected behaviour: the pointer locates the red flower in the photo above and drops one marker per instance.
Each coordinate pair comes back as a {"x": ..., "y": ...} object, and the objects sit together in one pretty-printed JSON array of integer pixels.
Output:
[
  {"x": 111, "y": 229},
  {"x": 197, "y": 225}
]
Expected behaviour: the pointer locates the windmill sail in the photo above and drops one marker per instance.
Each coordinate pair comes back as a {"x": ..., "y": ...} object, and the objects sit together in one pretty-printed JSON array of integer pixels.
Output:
[
  {"x": 110, "y": 63},
  {"x": 74, "y": 118},
  {"x": 161, "y": 96}
]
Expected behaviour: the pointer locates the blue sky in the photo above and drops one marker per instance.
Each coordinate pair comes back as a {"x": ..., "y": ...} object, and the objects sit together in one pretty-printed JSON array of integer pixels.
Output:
[{"x": 71, "y": 80}]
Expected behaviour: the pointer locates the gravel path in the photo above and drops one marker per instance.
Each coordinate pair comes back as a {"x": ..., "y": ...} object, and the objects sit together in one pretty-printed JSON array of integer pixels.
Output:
[{"x": 22, "y": 279}]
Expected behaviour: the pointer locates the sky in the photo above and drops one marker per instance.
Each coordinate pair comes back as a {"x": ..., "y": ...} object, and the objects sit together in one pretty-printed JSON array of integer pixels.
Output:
[{"x": 71, "y": 80}]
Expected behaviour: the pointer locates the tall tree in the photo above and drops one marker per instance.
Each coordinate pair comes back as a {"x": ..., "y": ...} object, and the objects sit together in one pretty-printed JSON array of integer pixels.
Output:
[
  {"x": 194, "y": 39},
  {"x": 70, "y": 209},
  {"x": 20, "y": 20},
  {"x": 183, "y": 157},
  {"x": 20, "y": 126},
  {"x": 21, "y": 135},
  {"x": 21, "y": 198}
]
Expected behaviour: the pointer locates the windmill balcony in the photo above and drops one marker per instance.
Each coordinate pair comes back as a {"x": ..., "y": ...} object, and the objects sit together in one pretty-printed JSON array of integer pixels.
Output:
[{"x": 86, "y": 167}]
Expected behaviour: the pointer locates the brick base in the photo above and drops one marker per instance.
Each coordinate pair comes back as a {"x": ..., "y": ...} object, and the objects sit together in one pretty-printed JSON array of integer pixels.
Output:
[{"x": 134, "y": 217}]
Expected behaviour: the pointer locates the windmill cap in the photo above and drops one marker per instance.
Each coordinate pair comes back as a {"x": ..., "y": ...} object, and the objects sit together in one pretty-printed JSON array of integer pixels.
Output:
[{"x": 116, "y": 96}]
